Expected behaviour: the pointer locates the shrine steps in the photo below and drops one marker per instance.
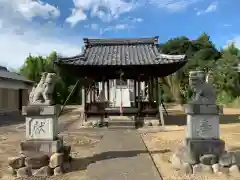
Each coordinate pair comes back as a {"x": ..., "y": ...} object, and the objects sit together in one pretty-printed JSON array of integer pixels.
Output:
[{"x": 121, "y": 122}]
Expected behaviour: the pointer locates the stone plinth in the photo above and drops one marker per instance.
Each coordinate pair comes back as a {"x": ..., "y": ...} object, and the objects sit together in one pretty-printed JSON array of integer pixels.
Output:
[
  {"x": 41, "y": 122},
  {"x": 202, "y": 126},
  {"x": 199, "y": 147},
  {"x": 31, "y": 147},
  {"x": 202, "y": 121}
]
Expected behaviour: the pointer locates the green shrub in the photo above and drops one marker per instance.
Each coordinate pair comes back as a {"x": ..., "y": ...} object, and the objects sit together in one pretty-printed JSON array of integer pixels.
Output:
[
  {"x": 224, "y": 98},
  {"x": 235, "y": 103}
]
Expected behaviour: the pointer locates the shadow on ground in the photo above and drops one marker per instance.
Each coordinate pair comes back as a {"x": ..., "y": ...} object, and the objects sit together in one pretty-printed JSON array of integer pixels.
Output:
[
  {"x": 82, "y": 163},
  {"x": 180, "y": 119}
]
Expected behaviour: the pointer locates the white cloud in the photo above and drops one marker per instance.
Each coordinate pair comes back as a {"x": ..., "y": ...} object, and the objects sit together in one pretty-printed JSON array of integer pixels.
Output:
[
  {"x": 30, "y": 8},
  {"x": 92, "y": 26},
  {"x": 19, "y": 36},
  {"x": 116, "y": 27},
  {"x": 174, "y": 5},
  {"x": 227, "y": 25},
  {"x": 106, "y": 10},
  {"x": 77, "y": 15},
  {"x": 137, "y": 20},
  {"x": 15, "y": 48},
  {"x": 211, "y": 8}
]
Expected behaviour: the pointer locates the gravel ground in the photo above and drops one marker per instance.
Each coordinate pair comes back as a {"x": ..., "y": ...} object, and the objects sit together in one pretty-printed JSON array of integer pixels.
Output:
[{"x": 82, "y": 145}]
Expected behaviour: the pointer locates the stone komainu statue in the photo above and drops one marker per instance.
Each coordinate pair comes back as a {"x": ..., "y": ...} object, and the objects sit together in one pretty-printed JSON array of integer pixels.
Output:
[
  {"x": 204, "y": 92},
  {"x": 41, "y": 94}
]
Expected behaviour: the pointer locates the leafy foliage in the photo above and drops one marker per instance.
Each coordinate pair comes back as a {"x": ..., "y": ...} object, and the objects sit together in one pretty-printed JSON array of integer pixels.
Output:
[
  {"x": 203, "y": 55},
  {"x": 34, "y": 66}
]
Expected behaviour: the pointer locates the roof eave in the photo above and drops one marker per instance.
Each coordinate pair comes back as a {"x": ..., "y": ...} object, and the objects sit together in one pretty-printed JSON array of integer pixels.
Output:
[
  {"x": 173, "y": 58},
  {"x": 61, "y": 59}
]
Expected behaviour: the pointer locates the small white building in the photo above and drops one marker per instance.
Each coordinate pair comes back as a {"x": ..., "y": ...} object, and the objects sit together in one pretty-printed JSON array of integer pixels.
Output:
[{"x": 14, "y": 90}]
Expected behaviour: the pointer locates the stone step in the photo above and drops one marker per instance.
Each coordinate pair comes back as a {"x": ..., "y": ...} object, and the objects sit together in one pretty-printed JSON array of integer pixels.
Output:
[
  {"x": 121, "y": 127},
  {"x": 121, "y": 123}
]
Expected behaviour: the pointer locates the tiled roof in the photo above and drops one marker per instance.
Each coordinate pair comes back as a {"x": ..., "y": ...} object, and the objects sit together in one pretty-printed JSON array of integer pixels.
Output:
[
  {"x": 4, "y": 73},
  {"x": 138, "y": 51}
]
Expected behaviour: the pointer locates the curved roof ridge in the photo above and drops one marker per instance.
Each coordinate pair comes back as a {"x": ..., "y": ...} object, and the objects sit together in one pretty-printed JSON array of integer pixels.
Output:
[{"x": 120, "y": 41}]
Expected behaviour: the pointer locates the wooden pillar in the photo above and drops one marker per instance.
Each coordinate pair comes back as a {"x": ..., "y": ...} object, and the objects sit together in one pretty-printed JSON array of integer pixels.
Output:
[
  {"x": 143, "y": 89},
  {"x": 91, "y": 94},
  {"x": 153, "y": 89},
  {"x": 103, "y": 88},
  {"x": 94, "y": 92},
  {"x": 139, "y": 88},
  {"x": 20, "y": 99},
  {"x": 139, "y": 101},
  {"x": 135, "y": 92},
  {"x": 83, "y": 104},
  {"x": 156, "y": 91},
  {"x": 160, "y": 107},
  {"x": 108, "y": 91},
  {"x": 149, "y": 89}
]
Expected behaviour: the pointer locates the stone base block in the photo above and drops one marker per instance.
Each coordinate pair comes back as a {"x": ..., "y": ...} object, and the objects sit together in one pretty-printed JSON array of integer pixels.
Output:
[
  {"x": 96, "y": 122},
  {"x": 202, "y": 109},
  {"x": 205, "y": 146},
  {"x": 149, "y": 121},
  {"x": 39, "y": 110},
  {"x": 31, "y": 147}
]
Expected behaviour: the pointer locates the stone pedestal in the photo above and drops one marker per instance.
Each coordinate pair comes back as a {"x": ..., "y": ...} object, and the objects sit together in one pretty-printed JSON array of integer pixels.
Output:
[
  {"x": 41, "y": 122},
  {"x": 41, "y": 130},
  {"x": 202, "y": 121},
  {"x": 202, "y": 131}
]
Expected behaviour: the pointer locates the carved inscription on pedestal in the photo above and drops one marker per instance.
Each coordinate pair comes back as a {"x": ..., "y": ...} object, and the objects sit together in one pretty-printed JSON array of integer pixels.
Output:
[
  {"x": 204, "y": 128},
  {"x": 38, "y": 128}
]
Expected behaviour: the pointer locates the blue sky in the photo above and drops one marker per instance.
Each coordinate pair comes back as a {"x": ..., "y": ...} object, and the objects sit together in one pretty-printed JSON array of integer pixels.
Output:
[{"x": 39, "y": 27}]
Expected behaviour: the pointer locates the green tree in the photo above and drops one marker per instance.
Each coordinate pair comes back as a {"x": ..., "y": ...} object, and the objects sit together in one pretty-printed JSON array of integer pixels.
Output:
[
  {"x": 34, "y": 66},
  {"x": 227, "y": 79},
  {"x": 201, "y": 54}
]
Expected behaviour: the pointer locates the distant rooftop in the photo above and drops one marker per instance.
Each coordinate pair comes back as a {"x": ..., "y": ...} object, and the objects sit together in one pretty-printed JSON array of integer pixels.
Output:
[{"x": 5, "y": 73}]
